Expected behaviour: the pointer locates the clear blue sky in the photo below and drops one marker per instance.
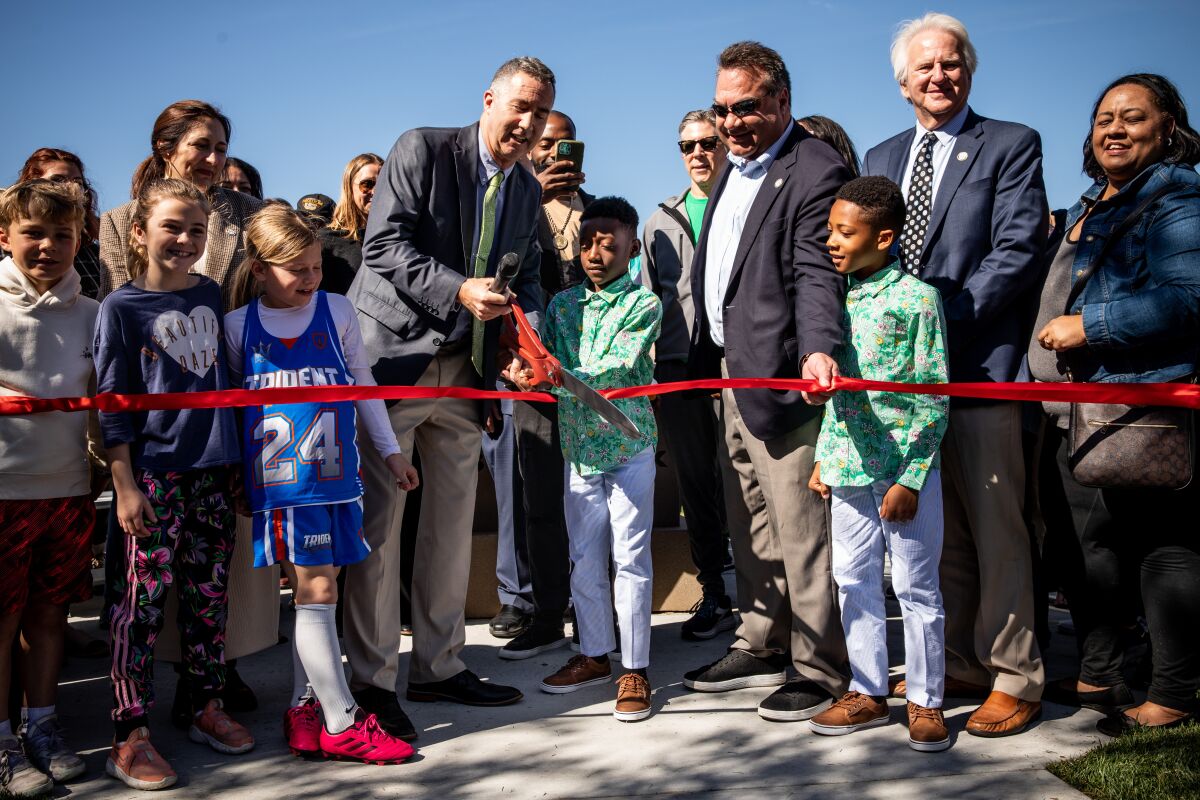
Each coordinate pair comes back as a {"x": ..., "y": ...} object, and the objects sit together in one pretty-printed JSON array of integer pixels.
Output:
[{"x": 309, "y": 85}]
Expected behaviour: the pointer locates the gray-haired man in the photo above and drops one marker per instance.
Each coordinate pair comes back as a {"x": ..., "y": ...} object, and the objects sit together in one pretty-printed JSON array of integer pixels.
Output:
[{"x": 690, "y": 422}]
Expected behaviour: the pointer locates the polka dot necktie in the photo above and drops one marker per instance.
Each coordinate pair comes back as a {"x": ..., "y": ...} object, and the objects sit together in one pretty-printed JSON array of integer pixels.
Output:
[{"x": 920, "y": 201}]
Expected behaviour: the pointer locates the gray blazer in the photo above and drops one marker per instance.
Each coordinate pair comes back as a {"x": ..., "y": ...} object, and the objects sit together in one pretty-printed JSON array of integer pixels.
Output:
[
  {"x": 667, "y": 250},
  {"x": 418, "y": 243}
]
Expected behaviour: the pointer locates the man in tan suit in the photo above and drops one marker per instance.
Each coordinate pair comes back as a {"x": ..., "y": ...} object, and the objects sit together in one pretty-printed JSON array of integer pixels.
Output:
[{"x": 449, "y": 202}]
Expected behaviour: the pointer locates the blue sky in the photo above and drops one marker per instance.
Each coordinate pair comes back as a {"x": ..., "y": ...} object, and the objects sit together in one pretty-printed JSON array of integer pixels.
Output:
[{"x": 309, "y": 85}]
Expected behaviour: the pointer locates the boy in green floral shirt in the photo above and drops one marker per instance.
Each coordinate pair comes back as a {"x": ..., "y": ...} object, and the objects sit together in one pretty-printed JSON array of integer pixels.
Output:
[
  {"x": 603, "y": 331},
  {"x": 877, "y": 456}
]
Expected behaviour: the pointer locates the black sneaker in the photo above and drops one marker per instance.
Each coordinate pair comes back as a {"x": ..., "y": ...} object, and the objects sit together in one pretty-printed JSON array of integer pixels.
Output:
[
  {"x": 737, "y": 669},
  {"x": 538, "y": 639},
  {"x": 710, "y": 616},
  {"x": 794, "y": 701},
  {"x": 510, "y": 622},
  {"x": 386, "y": 708}
]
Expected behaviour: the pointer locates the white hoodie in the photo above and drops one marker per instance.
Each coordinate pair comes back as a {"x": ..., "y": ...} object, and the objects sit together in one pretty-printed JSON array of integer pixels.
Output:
[{"x": 45, "y": 351}]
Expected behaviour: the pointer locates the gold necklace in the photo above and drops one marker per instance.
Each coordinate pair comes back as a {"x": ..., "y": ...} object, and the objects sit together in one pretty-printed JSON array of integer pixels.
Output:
[{"x": 560, "y": 238}]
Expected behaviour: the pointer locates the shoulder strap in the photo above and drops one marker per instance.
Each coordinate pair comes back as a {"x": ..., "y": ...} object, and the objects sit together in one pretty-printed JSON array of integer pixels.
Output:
[
  {"x": 1118, "y": 233},
  {"x": 681, "y": 218}
]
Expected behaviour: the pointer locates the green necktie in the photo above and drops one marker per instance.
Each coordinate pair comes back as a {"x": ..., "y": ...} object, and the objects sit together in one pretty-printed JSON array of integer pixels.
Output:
[{"x": 487, "y": 232}]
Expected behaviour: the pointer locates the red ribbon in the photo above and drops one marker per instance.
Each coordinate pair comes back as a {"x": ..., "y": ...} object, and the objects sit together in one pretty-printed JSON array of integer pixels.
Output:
[{"x": 1186, "y": 395}]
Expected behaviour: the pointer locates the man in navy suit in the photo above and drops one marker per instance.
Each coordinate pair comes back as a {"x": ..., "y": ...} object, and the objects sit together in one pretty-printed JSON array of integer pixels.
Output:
[
  {"x": 769, "y": 304},
  {"x": 977, "y": 223},
  {"x": 448, "y": 204}
]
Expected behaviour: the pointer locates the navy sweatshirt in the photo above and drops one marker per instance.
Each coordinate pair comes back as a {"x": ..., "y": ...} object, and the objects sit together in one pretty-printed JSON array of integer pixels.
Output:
[{"x": 156, "y": 342}]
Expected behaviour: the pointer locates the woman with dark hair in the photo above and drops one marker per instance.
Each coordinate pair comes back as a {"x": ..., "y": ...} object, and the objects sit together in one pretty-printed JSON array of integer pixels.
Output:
[
  {"x": 835, "y": 136},
  {"x": 66, "y": 167},
  {"x": 1136, "y": 319},
  {"x": 241, "y": 176},
  {"x": 188, "y": 141},
  {"x": 341, "y": 242}
]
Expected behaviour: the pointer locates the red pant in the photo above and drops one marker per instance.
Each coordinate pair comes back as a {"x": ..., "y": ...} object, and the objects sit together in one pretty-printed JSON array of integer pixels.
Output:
[{"x": 45, "y": 553}]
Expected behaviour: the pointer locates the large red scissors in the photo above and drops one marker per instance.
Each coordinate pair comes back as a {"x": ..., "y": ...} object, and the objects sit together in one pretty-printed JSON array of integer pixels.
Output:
[{"x": 518, "y": 335}]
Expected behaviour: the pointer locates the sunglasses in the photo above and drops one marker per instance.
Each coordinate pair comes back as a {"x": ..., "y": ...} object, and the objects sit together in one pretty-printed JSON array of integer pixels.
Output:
[
  {"x": 740, "y": 109},
  {"x": 366, "y": 185},
  {"x": 707, "y": 144}
]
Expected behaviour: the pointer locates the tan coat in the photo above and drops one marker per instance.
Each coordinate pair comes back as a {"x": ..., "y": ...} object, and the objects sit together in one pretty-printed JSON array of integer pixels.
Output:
[
  {"x": 253, "y": 622},
  {"x": 225, "y": 251}
]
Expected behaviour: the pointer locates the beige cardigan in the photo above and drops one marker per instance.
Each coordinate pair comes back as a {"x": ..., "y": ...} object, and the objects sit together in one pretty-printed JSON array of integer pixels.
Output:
[{"x": 225, "y": 251}]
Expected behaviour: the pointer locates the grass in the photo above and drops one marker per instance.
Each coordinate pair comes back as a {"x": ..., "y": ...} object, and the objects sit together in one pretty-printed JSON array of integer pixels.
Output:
[{"x": 1144, "y": 765}]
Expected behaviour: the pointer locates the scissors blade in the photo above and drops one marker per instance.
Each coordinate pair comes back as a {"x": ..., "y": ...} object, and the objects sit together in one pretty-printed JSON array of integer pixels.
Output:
[{"x": 600, "y": 404}]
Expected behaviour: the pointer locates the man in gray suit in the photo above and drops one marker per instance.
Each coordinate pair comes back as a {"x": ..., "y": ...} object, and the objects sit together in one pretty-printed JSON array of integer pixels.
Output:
[
  {"x": 690, "y": 421},
  {"x": 448, "y": 204}
]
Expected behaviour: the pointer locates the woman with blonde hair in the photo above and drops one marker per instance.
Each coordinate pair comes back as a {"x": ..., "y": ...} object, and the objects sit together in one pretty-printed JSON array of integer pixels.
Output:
[{"x": 341, "y": 242}]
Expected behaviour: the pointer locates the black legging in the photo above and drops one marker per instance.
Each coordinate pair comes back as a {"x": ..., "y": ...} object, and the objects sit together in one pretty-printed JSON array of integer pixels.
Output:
[{"x": 1150, "y": 539}]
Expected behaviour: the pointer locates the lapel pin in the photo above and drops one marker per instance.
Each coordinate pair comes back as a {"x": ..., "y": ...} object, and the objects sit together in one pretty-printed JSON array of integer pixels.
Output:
[
  {"x": 962, "y": 155},
  {"x": 778, "y": 182},
  {"x": 231, "y": 230}
]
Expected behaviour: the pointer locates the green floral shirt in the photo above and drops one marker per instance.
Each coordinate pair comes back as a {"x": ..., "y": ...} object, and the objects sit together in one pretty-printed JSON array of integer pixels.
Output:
[
  {"x": 604, "y": 338},
  {"x": 892, "y": 331}
]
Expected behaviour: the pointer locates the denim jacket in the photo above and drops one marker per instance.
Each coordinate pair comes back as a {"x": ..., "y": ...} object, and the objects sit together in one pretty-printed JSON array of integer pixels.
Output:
[{"x": 1141, "y": 308}]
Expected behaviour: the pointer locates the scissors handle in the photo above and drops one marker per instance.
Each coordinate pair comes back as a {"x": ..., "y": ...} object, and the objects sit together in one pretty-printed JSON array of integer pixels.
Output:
[{"x": 520, "y": 337}]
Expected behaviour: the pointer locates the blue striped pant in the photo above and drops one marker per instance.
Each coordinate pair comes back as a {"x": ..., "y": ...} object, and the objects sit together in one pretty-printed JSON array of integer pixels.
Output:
[{"x": 860, "y": 538}]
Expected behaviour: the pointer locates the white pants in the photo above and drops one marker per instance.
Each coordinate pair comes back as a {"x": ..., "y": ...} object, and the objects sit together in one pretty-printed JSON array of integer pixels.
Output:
[
  {"x": 859, "y": 539},
  {"x": 610, "y": 515}
]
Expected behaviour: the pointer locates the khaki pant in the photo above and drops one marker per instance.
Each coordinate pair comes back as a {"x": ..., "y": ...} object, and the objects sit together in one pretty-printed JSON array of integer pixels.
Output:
[
  {"x": 987, "y": 570},
  {"x": 447, "y": 433},
  {"x": 786, "y": 595}
]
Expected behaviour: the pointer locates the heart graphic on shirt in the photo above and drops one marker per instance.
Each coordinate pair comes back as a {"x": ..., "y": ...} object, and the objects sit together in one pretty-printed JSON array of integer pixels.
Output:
[{"x": 190, "y": 339}]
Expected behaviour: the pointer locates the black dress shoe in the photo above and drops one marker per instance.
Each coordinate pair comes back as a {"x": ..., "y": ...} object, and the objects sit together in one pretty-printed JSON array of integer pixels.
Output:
[
  {"x": 386, "y": 708},
  {"x": 510, "y": 622},
  {"x": 465, "y": 688},
  {"x": 1121, "y": 724},
  {"x": 1112, "y": 700}
]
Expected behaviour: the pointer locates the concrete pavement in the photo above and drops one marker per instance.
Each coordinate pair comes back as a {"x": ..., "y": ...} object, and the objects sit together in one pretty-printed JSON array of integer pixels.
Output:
[{"x": 695, "y": 745}]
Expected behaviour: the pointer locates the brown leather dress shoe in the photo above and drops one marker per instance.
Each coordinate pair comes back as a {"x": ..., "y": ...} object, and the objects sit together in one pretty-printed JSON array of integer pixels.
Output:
[
  {"x": 1003, "y": 715},
  {"x": 953, "y": 688}
]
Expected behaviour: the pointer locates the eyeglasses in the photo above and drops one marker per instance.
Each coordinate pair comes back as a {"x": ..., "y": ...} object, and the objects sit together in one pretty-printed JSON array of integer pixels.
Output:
[
  {"x": 707, "y": 144},
  {"x": 740, "y": 109}
]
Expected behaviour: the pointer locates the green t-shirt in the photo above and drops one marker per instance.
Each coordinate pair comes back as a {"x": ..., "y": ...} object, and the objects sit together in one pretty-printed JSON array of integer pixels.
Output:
[{"x": 695, "y": 212}]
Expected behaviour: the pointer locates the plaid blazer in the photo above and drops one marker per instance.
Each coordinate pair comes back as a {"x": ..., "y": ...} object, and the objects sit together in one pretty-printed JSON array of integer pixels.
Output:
[{"x": 226, "y": 240}]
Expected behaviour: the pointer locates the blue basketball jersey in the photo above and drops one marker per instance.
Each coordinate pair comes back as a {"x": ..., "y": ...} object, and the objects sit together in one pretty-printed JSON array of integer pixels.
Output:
[{"x": 298, "y": 454}]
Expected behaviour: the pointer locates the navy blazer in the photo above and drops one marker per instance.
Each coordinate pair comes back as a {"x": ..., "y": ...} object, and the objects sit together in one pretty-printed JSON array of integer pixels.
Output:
[
  {"x": 784, "y": 298},
  {"x": 984, "y": 244},
  {"x": 418, "y": 243}
]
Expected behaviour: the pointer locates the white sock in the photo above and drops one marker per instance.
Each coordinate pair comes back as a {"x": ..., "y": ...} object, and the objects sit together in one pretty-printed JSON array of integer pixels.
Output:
[
  {"x": 5, "y": 728},
  {"x": 301, "y": 689},
  {"x": 317, "y": 646},
  {"x": 32, "y": 715}
]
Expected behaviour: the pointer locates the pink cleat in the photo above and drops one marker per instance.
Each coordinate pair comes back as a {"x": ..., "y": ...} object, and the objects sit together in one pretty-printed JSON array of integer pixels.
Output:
[
  {"x": 302, "y": 728},
  {"x": 365, "y": 741}
]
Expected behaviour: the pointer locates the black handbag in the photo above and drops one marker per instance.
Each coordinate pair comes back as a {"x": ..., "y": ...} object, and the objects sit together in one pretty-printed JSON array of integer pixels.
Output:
[{"x": 1129, "y": 447}]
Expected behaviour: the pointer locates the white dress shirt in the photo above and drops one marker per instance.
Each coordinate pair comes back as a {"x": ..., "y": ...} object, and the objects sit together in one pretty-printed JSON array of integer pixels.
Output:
[
  {"x": 729, "y": 217},
  {"x": 946, "y": 135}
]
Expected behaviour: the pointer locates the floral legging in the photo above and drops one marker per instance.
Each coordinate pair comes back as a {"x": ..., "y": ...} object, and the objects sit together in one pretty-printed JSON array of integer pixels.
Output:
[{"x": 188, "y": 547}]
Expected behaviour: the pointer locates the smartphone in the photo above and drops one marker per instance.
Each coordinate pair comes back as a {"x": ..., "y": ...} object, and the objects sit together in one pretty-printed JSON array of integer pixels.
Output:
[{"x": 570, "y": 150}]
